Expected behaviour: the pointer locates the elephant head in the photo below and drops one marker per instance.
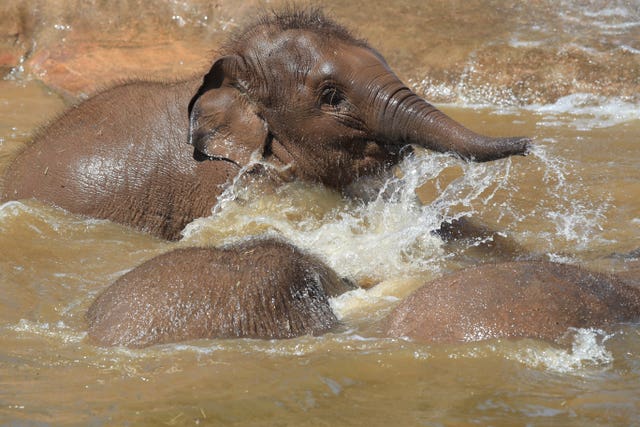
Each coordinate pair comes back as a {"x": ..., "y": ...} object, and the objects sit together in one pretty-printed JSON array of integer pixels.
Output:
[{"x": 301, "y": 91}]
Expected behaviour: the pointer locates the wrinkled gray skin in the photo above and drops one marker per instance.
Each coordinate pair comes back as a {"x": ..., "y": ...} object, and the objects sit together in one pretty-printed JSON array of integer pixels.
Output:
[
  {"x": 122, "y": 155},
  {"x": 522, "y": 299},
  {"x": 294, "y": 89},
  {"x": 257, "y": 289}
]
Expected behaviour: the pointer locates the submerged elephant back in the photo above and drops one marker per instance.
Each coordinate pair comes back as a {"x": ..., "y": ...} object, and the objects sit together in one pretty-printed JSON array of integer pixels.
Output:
[
  {"x": 264, "y": 289},
  {"x": 516, "y": 299},
  {"x": 122, "y": 155}
]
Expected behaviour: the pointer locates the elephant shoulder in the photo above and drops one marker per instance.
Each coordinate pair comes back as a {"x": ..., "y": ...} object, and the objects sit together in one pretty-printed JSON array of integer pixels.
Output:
[
  {"x": 260, "y": 288},
  {"x": 521, "y": 299}
]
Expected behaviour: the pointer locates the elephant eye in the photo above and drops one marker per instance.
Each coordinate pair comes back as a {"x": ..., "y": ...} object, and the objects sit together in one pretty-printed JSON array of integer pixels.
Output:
[{"x": 331, "y": 96}]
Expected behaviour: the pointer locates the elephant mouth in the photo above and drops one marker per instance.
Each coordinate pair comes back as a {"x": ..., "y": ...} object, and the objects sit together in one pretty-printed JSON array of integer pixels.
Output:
[
  {"x": 199, "y": 156},
  {"x": 398, "y": 150},
  {"x": 199, "y": 140},
  {"x": 386, "y": 152}
]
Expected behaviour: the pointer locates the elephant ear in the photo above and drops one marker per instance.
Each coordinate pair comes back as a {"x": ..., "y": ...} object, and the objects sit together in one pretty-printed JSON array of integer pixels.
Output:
[{"x": 223, "y": 124}]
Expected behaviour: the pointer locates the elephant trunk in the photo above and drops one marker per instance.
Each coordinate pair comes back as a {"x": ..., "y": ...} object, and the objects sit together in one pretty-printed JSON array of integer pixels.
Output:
[{"x": 409, "y": 119}]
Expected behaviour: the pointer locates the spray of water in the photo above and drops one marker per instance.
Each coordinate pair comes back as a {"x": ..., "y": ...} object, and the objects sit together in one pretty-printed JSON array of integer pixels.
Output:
[
  {"x": 574, "y": 218},
  {"x": 58, "y": 330},
  {"x": 388, "y": 236},
  {"x": 587, "y": 350},
  {"x": 585, "y": 111}
]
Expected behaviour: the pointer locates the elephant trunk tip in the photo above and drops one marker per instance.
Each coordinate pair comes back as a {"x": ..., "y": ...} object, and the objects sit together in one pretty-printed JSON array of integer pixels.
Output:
[
  {"x": 419, "y": 122},
  {"x": 487, "y": 148}
]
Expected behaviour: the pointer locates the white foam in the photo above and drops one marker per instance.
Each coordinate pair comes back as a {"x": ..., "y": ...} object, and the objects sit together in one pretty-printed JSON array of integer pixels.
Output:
[
  {"x": 608, "y": 12},
  {"x": 62, "y": 27},
  {"x": 301, "y": 346},
  {"x": 41, "y": 217},
  {"x": 585, "y": 111},
  {"x": 574, "y": 218},
  {"x": 617, "y": 26},
  {"x": 588, "y": 350},
  {"x": 618, "y": 18},
  {"x": 389, "y": 236},
  {"x": 58, "y": 330},
  {"x": 581, "y": 111},
  {"x": 351, "y": 302},
  {"x": 627, "y": 48},
  {"x": 561, "y": 258},
  {"x": 516, "y": 42},
  {"x": 578, "y": 224},
  {"x": 13, "y": 209}
]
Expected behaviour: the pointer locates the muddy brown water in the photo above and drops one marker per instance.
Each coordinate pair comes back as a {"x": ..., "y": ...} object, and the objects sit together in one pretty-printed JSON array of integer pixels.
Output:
[{"x": 565, "y": 73}]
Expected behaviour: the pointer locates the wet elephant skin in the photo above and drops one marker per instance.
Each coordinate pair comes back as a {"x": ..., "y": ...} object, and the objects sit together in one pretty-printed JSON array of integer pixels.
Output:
[
  {"x": 520, "y": 299},
  {"x": 256, "y": 289},
  {"x": 293, "y": 88}
]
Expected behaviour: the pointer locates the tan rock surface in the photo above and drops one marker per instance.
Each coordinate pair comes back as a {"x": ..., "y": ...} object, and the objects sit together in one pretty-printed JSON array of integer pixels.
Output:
[{"x": 447, "y": 51}]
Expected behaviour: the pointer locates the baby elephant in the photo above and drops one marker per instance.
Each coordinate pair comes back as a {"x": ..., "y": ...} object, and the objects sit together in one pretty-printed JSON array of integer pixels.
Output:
[
  {"x": 257, "y": 289},
  {"x": 293, "y": 89},
  {"x": 524, "y": 299}
]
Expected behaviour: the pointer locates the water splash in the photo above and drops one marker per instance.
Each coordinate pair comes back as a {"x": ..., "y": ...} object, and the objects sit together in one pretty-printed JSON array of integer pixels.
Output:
[
  {"x": 465, "y": 92},
  {"x": 59, "y": 331},
  {"x": 580, "y": 111},
  {"x": 391, "y": 235},
  {"x": 388, "y": 236},
  {"x": 587, "y": 350},
  {"x": 585, "y": 111},
  {"x": 41, "y": 216},
  {"x": 608, "y": 17},
  {"x": 378, "y": 301},
  {"x": 575, "y": 218}
]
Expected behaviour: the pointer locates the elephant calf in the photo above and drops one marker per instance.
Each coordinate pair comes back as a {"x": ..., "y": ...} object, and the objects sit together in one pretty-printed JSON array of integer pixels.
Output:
[
  {"x": 293, "y": 89},
  {"x": 259, "y": 289},
  {"x": 525, "y": 299}
]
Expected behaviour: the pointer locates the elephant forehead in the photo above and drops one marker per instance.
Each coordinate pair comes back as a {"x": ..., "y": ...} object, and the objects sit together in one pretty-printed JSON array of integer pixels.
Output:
[
  {"x": 292, "y": 47},
  {"x": 343, "y": 59},
  {"x": 303, "y": 52}
]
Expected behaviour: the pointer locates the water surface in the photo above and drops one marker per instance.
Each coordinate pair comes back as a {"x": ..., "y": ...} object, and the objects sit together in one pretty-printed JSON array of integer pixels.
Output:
[{"x": 561, "y": 72}]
